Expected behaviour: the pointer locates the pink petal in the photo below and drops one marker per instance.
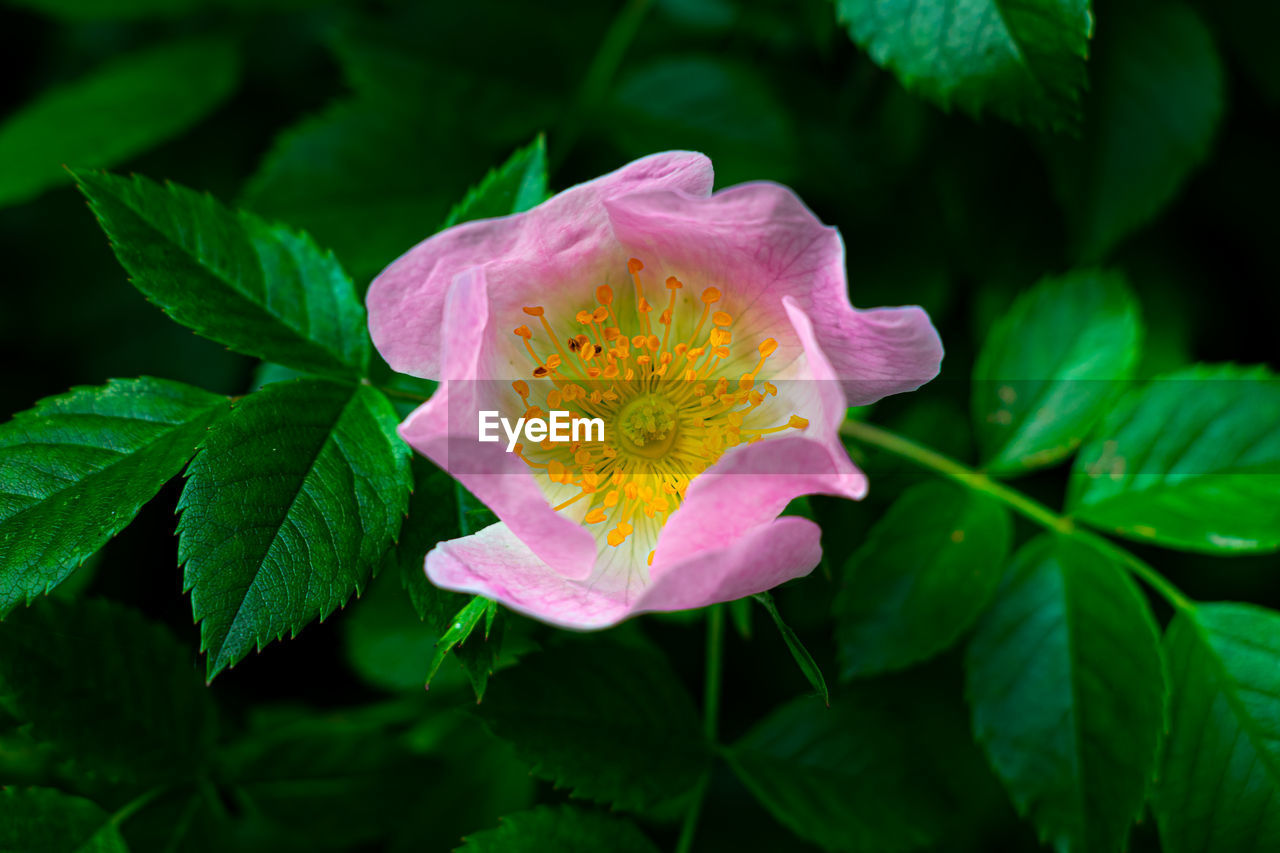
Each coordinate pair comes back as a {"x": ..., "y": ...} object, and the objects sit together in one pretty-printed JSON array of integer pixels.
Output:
[
  {"x": 444, "y": 430},
  {"x": 762, "y": 243},
  {"x": 752, "y": 483},
  {"x": 496, "y": 564},
  {"x": 562, "y": 238},
  {"x": 762, "y": 558}
]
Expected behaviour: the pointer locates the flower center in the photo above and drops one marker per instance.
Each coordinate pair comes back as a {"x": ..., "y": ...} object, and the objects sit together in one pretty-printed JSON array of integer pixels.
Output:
[
  {"x": 646, "y": 426},
  {"x": 670, "y": 405}
]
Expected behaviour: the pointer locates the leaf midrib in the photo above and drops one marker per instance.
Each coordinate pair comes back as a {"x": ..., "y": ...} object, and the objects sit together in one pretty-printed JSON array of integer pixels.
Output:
[{"x": 218, "y": 662}]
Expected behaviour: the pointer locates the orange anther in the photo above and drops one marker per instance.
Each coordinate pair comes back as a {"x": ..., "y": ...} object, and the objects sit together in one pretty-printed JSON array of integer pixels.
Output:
[
  {"x": 798, "y": 422},
  {"x": 721, "y": 318},
  {"x": 595, "y": 516},
  {"x": 710, "y": 295},
  {"x": 635, "y": 265},
  {"x": 600, "y": 314},
  {"x": 604, "y": 294},
  {"x": 524, "y": 332},
  {"x": 767, "y": 347},
  {"x": 674, "y": 283},
  {"x": 521, "y": 387},
  {"x": 653, "y": 343},
  {"x": 533, "y": 311}
]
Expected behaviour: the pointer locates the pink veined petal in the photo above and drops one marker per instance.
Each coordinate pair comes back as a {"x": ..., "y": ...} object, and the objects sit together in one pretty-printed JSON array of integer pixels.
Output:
[
  {"x": 496, "y": 564},
  {"x": 763, "y": 243},
  {"x": 444, "y": 429},
  {"x": 752, "y": 483},
  {"x": 556, "y": 239},
  {"x": 763, "y": 557}
]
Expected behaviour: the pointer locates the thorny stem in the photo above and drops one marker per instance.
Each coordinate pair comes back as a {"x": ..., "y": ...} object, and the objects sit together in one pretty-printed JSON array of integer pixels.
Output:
[
  {"x": 1015, "y": 500},
  {"x": 710, "y": 719}
]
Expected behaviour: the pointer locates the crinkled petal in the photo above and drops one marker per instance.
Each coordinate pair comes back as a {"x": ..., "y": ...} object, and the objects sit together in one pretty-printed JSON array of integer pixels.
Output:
[
  {"x": 496, "y": 564},
  {"x": 561, "y": 239},
  {"x": 752, "y": 483},
  {"x": 759, "y": 243},
  {"x": 444, "y": 429},
  {"x": 760, "y": 559}
]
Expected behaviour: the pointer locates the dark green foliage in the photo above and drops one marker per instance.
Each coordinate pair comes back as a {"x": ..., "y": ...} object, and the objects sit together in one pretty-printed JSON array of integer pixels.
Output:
[
  {"x": 607, "y": 720},
  {"x": 566, "y": 828},
  {"x": 116, "y": 111},
  {"x": 77, "y": 468},
  {"x": 1191, "y": 460},
  {"x": 116, "y": 695},
  {"x": 1051, "y": 367},
  {"x": 925, "y": 573},
  {"x": 1024, "y": 61},
  {"x": 293, "y": 501},
  {"x": 1067, "y": 686},
  {"x": 979, "y": 158},
  {"x": 262, "y": 289},
  {"x": 1220, "y": 775},
  {"x": 53, "y": 822}
]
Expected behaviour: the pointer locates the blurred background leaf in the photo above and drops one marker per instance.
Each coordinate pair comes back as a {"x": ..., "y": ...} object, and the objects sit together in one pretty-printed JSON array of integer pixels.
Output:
[{"x": 114, "y": 113}]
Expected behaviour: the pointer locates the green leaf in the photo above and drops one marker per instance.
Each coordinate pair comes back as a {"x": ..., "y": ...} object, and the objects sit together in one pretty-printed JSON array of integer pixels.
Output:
[
  {"x": 1066, "y": 682},
  {"x": 385, "y": 641},
  {"x": 261, "y": 289},
  {"x": 564, "y": 829},
  {"x": 439, "y": 509},
  {"x": 334, "y": 780},
  {"x": 1190, "y": 461},
  {"x": 924, "y": 574},
  {"x": 799, "y": 653},
  {"x": 1220, "y": 774},
  {"x": 1051, "y": 367},
  {"x": 433, "y": 517},
  {"x": 1023, "y": 61},
  {"x": 49, "y": 821},
  {"x": 481, "y": 655},
  {"x": 117, "y": 111},
  {"x": 76, "y": 469},
  {"x": 294, "y": 499},
  {"x": 1157, "y": 99},
  {"x": 363, "y": 176},
  {"x": 515, "y": 186},
  {"x": 610, "y": 721},
  {"x": 842, "y": 777},
  {"x": 111, "y": 691}
]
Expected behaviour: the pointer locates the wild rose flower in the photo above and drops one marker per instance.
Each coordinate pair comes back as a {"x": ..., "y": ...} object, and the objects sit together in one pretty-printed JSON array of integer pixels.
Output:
[{"x": 712, "y": 334}]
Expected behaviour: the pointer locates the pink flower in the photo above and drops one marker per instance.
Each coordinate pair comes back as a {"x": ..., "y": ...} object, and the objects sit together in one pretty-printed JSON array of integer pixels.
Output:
[{"x": 714, "y": 337}]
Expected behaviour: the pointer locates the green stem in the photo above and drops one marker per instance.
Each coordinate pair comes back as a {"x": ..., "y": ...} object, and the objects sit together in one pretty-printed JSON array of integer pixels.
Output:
[
  {"x": 710, "y": 719},
  {"x": 130, "y": 808},
  {"x": 1015, "y": 500}
]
